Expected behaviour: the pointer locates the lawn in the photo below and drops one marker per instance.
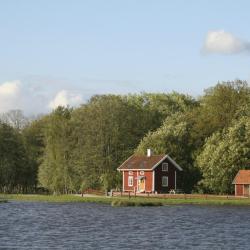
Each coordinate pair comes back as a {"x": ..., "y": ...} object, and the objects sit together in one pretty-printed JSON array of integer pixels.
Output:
[{"x": 125, "y": 201}]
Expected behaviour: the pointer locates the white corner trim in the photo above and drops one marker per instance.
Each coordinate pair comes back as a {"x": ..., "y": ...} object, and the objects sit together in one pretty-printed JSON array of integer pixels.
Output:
[
  {"x": 156, "y": 165},
  {"x": 137, "y": 182},
  {"x": 234, "y": 180},
  {"x": 174, "y": 163},
  {"x": 170, "y": 159},
  {"x": 159, "y": 162},
  {"x": 123, "y": 181},
  {"x": 153, "y": 181}
]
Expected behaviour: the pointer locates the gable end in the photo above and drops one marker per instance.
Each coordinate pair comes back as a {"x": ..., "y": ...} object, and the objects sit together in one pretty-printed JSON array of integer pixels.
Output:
[{"x": 170, "y": 160}]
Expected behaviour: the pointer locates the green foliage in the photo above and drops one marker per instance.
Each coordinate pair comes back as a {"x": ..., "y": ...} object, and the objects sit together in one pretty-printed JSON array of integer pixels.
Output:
[
  {"x": 111, "y": 180},
  {"x": 56, "y": 172},
  {"x": 14, "y": 166},
  {"x": 33, "y": 138},
  {"x": 162, "y": 105},
  {"x": 107, "y": 129},
  {"x": 173, "y": 138},
  {"x": 71, "y": 150},
  {"x": 218, "y": 107},
  {"x": 98, "y": 137},
  {"x": 223, "y": 155}
]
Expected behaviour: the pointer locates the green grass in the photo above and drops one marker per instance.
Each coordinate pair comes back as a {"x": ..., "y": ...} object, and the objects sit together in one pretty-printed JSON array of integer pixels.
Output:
[
  {"x": 125, "y": 201},
  {"x": 55, "y": 198}
]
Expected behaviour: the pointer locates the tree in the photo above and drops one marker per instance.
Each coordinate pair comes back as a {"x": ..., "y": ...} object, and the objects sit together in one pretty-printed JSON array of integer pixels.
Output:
[
  {"x": 218, "y": 107},
  {"x": 161, "y": 105},
  {"x": 33, "y": 138},
  {"x": 15, "y": 118},
  {"x": 74, "y": 149},
  {"x": 14, "y": 167},
  {"x": 56, "y": 172},
  {"x": 108, "y": 129},
  {"x": 223, "y": 155},
  {"x": 173, "y": 138}
]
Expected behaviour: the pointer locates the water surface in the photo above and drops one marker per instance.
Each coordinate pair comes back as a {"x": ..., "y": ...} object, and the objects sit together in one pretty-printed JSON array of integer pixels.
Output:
[{"x": 33, "y": 225}]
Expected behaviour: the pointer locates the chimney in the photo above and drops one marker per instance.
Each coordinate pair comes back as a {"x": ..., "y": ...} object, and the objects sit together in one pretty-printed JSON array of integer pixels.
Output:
[{"x": 149, "y": 152}]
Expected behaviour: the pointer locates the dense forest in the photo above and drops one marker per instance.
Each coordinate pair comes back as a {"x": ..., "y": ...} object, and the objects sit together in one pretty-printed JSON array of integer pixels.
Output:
[{"x": 72, "y": 149}]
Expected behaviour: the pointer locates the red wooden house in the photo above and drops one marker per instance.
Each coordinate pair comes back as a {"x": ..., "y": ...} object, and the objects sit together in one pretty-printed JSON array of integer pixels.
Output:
[
  {"x": 242, "y": 183},
  {"x": 151, "y": 173}
]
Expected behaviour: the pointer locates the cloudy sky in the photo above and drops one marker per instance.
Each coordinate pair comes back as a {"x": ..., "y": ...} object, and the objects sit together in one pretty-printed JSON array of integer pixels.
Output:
[{"x": 62, "y": 52}]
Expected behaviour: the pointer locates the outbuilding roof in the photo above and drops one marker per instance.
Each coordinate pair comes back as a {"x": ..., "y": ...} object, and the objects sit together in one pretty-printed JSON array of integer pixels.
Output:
[
  {"x": 142, "y": 162},
  {"x": 243, "y": 177}
]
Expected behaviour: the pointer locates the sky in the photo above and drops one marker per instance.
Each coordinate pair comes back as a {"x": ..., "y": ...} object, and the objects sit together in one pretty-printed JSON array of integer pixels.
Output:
[{"x": 62, "y": 52}]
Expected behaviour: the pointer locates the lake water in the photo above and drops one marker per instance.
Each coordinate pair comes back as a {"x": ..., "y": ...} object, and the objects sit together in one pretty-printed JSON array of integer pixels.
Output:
[{"x": 31, "y": 225}]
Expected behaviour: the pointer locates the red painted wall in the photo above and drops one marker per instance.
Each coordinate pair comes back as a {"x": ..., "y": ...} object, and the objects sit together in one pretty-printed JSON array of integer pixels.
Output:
[
  {"x": 158, "y": 179},
  {"x": 239, "y": 190},
  {"x": 148, "y": 184},
  {"x": 126, "y": 187},
  {"x": 148, "y": 180},
  {"x": 171, "y": 178}
]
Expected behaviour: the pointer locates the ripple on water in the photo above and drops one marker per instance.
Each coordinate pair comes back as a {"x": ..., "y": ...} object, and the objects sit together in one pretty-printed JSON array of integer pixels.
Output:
[{"x": 31, "y": 225}]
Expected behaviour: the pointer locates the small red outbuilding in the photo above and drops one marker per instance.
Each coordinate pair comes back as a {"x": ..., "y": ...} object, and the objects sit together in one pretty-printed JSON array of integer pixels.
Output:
[{"x": 242, "y": 183}]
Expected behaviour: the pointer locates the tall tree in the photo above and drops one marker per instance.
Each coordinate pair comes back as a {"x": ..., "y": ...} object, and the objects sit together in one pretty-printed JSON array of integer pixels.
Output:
[
  {"x": 33, "y": 137},
  {"x": 161, "y": 105},
  {"x": 14, "y": 167},
  {"x": 173, "y": 138},
  {"x": 107, "y": 129},
  {"x": 219, "y": 106},
  {"x": 55, "y": 172},
  {"x": 223, "y": 155}
]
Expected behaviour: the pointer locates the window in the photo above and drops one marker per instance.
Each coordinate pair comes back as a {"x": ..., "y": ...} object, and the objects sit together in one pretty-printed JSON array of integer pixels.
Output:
[
  {"x": 141, "y": 172},
  {"x": 165, "y": 167},
  {"x": 130, "y": 181},
  {"x": 130, "y": 172},
  {"x": 164, "y": 181}
]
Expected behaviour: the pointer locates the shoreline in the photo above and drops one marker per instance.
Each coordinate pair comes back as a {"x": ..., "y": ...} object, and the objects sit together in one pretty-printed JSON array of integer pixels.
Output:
[
  {"x": 123, "y": 201},
  {"x": 3, "y": 201}
]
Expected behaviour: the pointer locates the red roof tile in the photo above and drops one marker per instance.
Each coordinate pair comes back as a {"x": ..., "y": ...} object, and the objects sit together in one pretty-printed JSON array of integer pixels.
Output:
[
  {"x": 141, "y": 162},
  {"x": 243, "y": 177}
]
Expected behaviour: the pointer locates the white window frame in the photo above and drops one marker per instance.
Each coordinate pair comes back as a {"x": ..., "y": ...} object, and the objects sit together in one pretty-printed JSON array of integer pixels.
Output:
[
  {"x": 130, "y": 172},
  {"x": 164, "y": 181},
  {"x": 130, "y": 181},
  {"x": 164, "y": 167},
  {"x": 141, "y": 172}
]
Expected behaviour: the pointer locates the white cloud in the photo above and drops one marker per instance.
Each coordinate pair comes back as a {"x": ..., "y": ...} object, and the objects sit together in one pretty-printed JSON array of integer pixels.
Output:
[
  {"x": 8, "y": 89},
  {"x": 65, "y": 98},
  {"x": 9, "y": 93},
  {"x": 18, "y": 95},
  {"x": 222, "y": 42},
  {"x": 36, "y": 97}
]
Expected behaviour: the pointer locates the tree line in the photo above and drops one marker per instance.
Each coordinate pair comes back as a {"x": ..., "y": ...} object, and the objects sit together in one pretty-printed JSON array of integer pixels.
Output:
[{"x": 72, "y": 149}]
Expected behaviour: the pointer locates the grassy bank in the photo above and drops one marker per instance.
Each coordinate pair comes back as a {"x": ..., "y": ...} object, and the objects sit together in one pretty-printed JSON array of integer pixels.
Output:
[
  {"x": 125, "y": 201},
  {"x": 55, "y": 198}
]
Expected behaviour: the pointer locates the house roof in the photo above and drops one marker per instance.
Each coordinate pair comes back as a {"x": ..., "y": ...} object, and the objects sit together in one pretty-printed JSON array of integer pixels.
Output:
[
  {"x": 243, "y": 177},
  {"x": 142, "y": 162}
]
